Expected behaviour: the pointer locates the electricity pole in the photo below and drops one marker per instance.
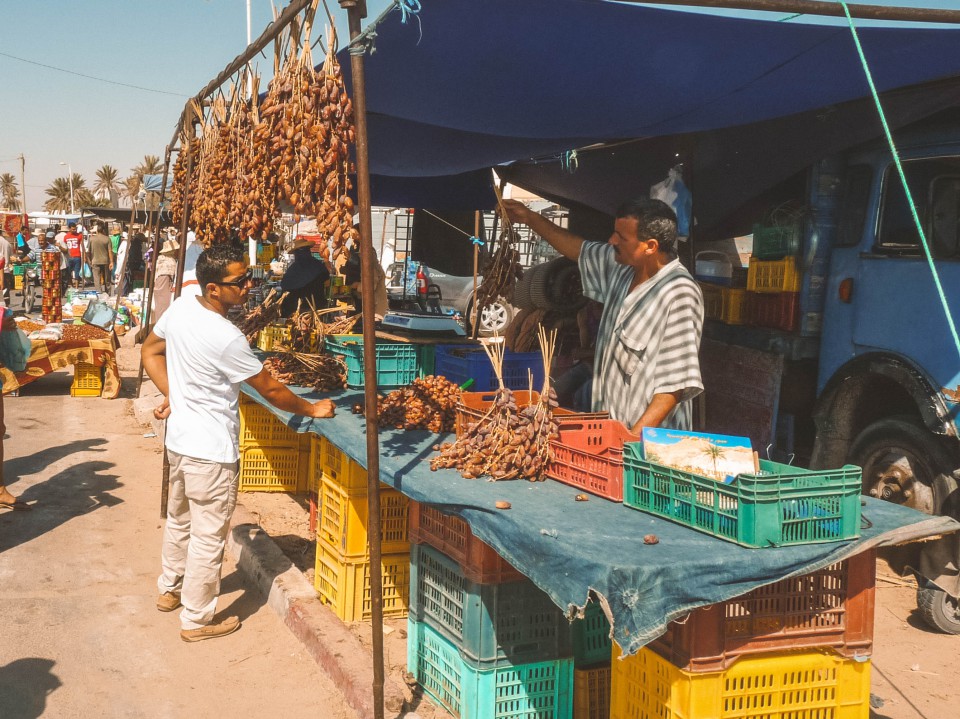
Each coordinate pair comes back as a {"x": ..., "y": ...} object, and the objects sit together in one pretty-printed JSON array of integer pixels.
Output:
[{"x": 23, "y": 187}]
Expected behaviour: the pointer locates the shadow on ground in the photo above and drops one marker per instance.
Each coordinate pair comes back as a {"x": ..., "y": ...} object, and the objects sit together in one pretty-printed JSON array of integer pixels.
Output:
[
  {"x": 74, "y": 492},
  {"x": 25, "y": 685},
  {"x": 35, "y": 463}
]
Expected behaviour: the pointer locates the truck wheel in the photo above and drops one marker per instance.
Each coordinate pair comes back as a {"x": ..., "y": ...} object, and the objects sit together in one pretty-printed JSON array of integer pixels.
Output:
[
  {"x": 904, "y": 463},
  {"x": 939, "y": 609}
]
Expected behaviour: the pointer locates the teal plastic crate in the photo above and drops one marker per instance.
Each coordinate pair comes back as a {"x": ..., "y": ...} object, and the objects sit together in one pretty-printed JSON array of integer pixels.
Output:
[
  {"x": 490, "y": 624},
  {"x": 774, "y": 242},
  {"x": 538, "y": 690},
  {"x": 779, "y": 506},
  {"x": 591, "y": 637},
  {"x": 398, "y": 363}
]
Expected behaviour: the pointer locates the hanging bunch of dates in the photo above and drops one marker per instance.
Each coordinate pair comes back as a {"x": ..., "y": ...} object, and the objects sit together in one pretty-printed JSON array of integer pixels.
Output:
[
  {"x": 311, "y": 132},
  {"x": 503, "y": 270}
]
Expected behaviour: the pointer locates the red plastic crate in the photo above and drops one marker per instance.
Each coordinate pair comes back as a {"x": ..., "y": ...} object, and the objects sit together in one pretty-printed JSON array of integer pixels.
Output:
[
  {"x": 832, "y": 607},
  {"x": 589, "y": 454},
  {"x": 474, "y": 405},
  {"x": 452, "y": 536},
  {"x": 780, "y": 311}
]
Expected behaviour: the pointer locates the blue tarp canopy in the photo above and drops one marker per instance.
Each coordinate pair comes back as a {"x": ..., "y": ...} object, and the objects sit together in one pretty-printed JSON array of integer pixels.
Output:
[{"x": 469, "y": 85}]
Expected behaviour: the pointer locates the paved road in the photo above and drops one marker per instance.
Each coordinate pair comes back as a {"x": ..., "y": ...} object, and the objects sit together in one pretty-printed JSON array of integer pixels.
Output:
[{"x": 81, "y": 635}]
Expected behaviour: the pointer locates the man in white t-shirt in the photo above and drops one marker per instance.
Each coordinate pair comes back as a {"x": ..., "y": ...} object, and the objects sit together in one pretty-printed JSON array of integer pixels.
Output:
[{"x": 198, "y": 359}]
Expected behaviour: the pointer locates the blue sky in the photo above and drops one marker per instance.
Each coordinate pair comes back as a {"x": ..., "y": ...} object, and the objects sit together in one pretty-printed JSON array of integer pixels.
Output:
[{"x": 176, "y": 46}]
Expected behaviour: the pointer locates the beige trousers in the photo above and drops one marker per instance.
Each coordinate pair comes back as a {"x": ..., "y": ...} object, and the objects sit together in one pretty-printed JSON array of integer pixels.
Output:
[{"x": 200, "y": 503}]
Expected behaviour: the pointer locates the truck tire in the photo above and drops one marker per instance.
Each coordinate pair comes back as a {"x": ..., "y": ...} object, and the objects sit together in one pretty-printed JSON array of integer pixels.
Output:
[
  {"x": 904, "y": 463},
  {"x": 938, "y": 608}
]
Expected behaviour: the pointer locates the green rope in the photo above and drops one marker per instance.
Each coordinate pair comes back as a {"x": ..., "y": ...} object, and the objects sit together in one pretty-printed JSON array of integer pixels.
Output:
[{"x": 903, "y": 178}]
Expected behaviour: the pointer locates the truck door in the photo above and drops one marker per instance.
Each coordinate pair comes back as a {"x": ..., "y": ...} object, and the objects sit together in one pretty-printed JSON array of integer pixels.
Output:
[{"x": 896, "y": 305}]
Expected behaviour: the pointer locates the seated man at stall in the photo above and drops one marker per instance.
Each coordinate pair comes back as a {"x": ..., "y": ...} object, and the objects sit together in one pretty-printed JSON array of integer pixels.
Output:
[
  {"x": 304, "y": 281},
  {"x": 646, "y": 367}
]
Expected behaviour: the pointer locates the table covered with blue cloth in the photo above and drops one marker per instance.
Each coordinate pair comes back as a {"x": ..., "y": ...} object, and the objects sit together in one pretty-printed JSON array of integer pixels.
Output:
[{"x": 569, "y": 548}]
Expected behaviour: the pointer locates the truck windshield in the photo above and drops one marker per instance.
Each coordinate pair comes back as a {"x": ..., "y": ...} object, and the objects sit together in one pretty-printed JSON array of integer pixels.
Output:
[{"x": 935, "y": 186}]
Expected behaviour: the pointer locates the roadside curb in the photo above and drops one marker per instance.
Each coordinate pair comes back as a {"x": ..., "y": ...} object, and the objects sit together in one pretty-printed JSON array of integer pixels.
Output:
[{"x": 336, "y": 650}]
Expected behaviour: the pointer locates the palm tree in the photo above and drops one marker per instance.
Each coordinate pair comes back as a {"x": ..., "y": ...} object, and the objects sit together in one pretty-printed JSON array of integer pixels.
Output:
[
  {"x": 59, "y": 194},
  {"x": 130, "y": 189},
  {"x": 715, "y": 452},
  {"x": 151, "y": 165},
  {"x": 9, "y": 193},
  {"x": 108, "y": 184}
]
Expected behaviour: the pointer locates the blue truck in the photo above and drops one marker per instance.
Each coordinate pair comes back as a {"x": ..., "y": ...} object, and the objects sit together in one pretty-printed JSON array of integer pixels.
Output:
[{"x": 871, "y": 373}]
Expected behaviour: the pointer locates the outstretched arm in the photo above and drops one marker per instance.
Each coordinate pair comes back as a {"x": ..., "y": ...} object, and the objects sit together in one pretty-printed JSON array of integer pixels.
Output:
[{"x": 563, "y": 241}]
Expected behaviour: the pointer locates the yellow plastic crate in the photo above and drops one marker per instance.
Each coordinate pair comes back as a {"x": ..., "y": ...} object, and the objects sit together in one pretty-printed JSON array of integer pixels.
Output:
[
  {"x": 345, "y": 584},
  {"x": 87, "y": 380},
  {"x": 314, "y": 468},
  {"x": 591, "y": 693},
  {"x": 785, "y": 685},
  {"x": 773, "y": 275},
  {"x": 734, "y": 306},
  {"x": 342, "y": 520},
  {"x": 272, "y": 335},
  {"x": 259, "y": 427},
  {"x": 712, "y": 300},
  {"x": 18, "y": 282},
  {"x": 270, "y": 469},
  {"x": 342, "y": 470}
]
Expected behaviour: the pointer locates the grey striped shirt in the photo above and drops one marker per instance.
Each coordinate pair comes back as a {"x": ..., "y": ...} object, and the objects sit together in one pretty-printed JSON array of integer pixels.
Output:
[{"x": 648, "y": 338}]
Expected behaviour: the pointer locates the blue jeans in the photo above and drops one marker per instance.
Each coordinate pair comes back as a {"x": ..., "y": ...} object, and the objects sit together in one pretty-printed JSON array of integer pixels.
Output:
[{"x": 75, "y": 268}]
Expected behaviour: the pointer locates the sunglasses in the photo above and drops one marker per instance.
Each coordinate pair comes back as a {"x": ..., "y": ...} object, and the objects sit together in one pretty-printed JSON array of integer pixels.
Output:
[{"x": 240, "y": 282}]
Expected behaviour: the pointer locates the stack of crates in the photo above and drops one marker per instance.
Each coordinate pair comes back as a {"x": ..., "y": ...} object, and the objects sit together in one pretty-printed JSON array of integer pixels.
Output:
[
  {"x": 592, "y": 650},
  {"x": 726, "y": 304},
  {"x": 773, "y": 278},
  {"x": 342, "y": 575},
  {"x": 273, "y": 458},
  {"x": 483, "y": 641},
  {"x": 796, "y": 649}
]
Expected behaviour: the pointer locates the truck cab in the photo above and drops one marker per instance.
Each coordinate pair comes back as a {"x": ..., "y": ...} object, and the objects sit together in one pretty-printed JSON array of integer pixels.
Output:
[{"x": 889, "y": 369}]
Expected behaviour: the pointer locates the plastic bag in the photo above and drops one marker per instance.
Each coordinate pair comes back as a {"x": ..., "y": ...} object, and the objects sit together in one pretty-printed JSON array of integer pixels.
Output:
[
  {"x": 673, "y": 192},
  {"x": 14, "y": 350},
  {"x": 87, "y": 272}
]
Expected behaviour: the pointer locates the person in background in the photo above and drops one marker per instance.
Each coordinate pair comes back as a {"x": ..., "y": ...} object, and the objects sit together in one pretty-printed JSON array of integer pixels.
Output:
[
  {"x": 647, "y": 367},
  {"x": 115, "y": 238},
  {"x": 351, "y": 278},
  {"x": 6, "y": 263},
  {"x": 166, "y": 274},
  {"x": 7, "y": 500},
  {"x": 198, "y": 359},
  {"x": 305, "y": 280},
  {"x": 76, "y": 256},
  {"x": 101, "y": 258}
]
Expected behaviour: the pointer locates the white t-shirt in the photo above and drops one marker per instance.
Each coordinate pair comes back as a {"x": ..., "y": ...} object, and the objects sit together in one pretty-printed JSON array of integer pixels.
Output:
[{"x": 207, "y": 359}]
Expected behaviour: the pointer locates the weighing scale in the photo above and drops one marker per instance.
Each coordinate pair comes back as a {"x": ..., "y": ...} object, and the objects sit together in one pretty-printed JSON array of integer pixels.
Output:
[{"x": 422, "y": 323}]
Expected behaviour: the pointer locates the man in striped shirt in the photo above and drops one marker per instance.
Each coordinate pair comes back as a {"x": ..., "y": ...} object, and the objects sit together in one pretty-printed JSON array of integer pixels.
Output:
[{"x": 646, "y": 369}]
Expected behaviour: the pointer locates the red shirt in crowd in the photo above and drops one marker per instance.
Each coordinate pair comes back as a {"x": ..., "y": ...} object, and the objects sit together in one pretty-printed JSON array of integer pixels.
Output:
[{"x": 74, "y": 242}]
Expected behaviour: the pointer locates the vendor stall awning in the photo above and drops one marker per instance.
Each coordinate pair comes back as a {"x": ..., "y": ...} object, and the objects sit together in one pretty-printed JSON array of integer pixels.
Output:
[{"x": 468, "y": 85}]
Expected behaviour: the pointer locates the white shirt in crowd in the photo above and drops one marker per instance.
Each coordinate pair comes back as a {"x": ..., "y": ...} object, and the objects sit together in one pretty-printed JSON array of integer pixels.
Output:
[{"x": 207, "y": 359}]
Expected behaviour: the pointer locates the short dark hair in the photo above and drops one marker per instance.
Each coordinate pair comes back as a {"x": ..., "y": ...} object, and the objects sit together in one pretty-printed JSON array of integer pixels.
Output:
[
  {"x": 655, "y": 220},
  {"x": 212, "y": 263}
]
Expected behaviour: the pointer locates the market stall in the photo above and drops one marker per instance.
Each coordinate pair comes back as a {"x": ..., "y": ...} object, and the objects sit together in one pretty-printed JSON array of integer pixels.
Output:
[
  {"x": 570, "y": 547},
  {"x": 48, "y": 356}
]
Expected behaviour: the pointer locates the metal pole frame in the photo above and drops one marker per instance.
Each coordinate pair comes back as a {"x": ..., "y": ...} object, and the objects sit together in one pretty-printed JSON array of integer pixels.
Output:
[
  {"x": 356, "y": 11},
  {"x": 822, "y": 8}
]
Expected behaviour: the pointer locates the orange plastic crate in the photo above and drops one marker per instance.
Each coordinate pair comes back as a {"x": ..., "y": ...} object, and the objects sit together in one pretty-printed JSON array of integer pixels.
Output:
[
  {"x": 452, "y": 536},
  {"x": 591, "y": 693},
  {"x": 589, "y": 454},
  {"x": 832, "y": 607}
]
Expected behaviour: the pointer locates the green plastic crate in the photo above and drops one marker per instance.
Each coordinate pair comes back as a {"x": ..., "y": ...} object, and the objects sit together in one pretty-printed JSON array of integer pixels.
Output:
[
  {"x": 591, "y": 637},
  {"x": 774, "y": 242},
  {"x": 779, "y": 506},
  {"x": 18, "y": 270},
  {"x": 539, "y": 690},
  {"x": 398, "y": 363},
  {"x": 490, "y": 624}
]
